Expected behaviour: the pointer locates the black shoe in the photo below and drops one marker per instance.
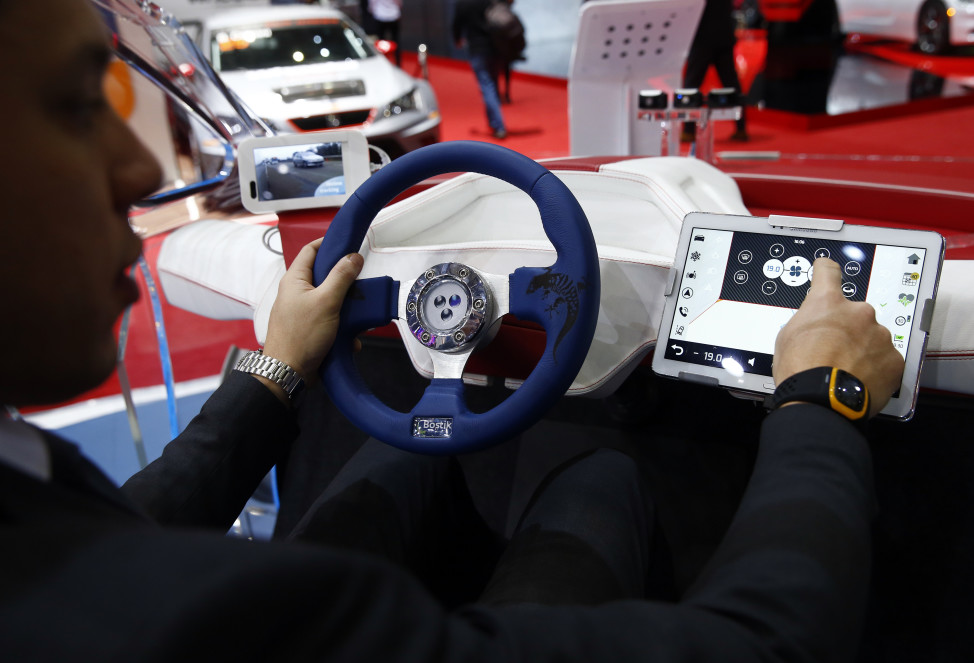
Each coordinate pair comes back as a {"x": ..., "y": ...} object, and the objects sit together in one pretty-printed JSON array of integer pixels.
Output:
[{"x": 500, "y": 134}]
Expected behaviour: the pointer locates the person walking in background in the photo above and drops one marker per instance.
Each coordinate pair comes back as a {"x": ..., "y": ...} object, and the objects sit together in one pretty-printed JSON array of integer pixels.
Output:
[
  {"x": 470, "y": 30},
  {"x": 508, "y": 38},
  {"x": 385, "y": 19},
  {"x": 366, "y": 20},
  {"x": 713, "y": 44}
]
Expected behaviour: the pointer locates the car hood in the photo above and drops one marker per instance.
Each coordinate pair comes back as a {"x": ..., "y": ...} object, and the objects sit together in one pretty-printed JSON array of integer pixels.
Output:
[{"x": 333, "y": 87}]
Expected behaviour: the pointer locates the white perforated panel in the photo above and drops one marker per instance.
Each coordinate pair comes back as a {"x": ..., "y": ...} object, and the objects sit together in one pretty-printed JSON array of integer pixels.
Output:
[
  {"x": 621, "y": 39},
  {"x": 624, "y": 46}
]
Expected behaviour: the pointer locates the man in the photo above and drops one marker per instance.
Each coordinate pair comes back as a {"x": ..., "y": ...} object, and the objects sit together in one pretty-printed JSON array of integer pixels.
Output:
[
  {"x": 713, "y": 44},
  {"x": 94, "y": 573},
  {"x": 386, "y": 15},
  {"x": 470, "y": 30}
]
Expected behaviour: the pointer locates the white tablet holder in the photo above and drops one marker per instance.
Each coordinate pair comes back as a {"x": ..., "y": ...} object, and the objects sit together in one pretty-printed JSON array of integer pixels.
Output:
[{"x": 623, "y": 47}]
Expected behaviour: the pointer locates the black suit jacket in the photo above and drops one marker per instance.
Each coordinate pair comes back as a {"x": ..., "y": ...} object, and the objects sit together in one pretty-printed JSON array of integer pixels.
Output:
[{"x": 88, "y": 573}]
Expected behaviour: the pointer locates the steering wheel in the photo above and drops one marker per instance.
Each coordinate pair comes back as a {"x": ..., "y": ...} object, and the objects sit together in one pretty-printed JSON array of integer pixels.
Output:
[{"x": 451, "y": 308}]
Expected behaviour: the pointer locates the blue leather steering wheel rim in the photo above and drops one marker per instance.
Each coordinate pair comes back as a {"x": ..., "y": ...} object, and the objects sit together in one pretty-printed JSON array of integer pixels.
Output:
[{"x": 563, "y": 298}]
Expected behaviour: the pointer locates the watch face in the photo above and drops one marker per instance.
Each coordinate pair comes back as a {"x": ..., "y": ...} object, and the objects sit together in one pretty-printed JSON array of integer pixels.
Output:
[{"x": 849, "y": 391}]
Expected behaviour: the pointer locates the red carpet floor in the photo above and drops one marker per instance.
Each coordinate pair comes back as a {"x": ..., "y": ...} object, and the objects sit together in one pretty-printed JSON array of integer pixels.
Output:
[{"x": 932, "y": 149}]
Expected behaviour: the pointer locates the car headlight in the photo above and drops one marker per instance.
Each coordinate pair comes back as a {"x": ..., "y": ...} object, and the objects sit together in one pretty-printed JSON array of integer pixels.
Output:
[{"x": 406, "y": 102}]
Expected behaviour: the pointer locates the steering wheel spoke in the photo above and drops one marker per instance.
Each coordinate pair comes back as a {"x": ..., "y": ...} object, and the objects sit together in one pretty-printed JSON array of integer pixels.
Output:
[
  {"x": 449, "y": 366},
  {"x": 500, "y": 286},
  {"x": 370, "y": 303},
  {"x": 549, "y": 296}
]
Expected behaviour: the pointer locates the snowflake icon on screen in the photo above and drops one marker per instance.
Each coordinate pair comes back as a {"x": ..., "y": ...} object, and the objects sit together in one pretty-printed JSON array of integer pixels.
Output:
[{"x": 695, "y": 256}]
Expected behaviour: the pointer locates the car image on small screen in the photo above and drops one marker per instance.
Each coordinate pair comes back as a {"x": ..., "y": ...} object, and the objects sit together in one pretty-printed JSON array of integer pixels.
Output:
[{"x": 299, "y": 171}]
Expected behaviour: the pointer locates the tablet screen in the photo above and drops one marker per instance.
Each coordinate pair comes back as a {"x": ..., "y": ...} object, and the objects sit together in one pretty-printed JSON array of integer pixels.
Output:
[{"x": 738, "y": 289}]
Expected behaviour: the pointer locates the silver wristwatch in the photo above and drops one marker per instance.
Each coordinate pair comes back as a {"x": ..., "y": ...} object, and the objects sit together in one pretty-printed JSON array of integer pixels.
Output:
[{"x": 256, "y": 363}]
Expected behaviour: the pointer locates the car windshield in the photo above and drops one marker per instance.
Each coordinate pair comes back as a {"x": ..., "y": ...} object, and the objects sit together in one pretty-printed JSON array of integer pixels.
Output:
[{"x": 287, "y": 44}]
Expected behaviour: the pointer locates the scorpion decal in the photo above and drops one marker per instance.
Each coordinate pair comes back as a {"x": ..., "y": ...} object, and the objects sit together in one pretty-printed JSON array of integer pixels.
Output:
[{"x": 564, "y": 290}]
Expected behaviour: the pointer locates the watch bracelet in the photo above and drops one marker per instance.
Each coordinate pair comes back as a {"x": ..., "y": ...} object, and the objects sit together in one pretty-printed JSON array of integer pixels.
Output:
[{"x": 256, "y": 362}]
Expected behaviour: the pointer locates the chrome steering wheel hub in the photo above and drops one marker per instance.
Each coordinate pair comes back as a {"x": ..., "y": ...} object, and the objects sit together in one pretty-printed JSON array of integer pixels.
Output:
[{"x": 447, "y": 307}]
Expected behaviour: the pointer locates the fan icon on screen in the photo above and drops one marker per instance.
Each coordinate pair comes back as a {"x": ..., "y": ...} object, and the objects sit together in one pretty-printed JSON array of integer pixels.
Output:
[{"x": 794, "y": 271}]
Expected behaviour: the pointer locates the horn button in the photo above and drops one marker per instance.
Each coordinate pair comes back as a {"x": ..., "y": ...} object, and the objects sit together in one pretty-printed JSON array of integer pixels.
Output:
[{"x": 447, "y": 306}]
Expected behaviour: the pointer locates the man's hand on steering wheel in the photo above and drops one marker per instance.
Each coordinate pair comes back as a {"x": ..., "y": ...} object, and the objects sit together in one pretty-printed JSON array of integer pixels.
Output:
[{"x": 304, "y": 318}]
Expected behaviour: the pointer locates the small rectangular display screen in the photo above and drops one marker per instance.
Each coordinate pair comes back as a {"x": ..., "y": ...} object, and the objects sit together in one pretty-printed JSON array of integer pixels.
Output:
[
  {"x": 738, "y": 289},
  {"x": 286, "y": 172}
]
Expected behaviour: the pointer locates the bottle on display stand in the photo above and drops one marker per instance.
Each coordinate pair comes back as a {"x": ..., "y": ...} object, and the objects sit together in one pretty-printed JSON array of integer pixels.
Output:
[
  {"x": 690, "y": 113},
  {"x": 688, "y": 106},
  {"x": 722, "y": 104},
  {"x": 653, "y": 107}
]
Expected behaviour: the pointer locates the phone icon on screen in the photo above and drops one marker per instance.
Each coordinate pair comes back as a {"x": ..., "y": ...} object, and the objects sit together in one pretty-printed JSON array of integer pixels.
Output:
[{"x": 684, "y": 311}]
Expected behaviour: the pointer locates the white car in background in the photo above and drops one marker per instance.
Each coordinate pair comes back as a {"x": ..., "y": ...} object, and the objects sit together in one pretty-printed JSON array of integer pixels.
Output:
[
  {"x": 933, "y": 25},
  {"x": 308, "y": 68},
  {"x": 307, "y": 160}
]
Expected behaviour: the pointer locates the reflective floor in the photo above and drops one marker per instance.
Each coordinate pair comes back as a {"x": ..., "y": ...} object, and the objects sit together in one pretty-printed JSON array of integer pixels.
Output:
[
  {"x": 814, "y": 79},
  {"x": 811, "y": 76}
]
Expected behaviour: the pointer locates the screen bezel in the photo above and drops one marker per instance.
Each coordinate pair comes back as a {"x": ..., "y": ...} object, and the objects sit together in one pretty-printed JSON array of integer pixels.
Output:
[
  {"x": 903, "y": 404},
  {"x": 355, "y": 168}
]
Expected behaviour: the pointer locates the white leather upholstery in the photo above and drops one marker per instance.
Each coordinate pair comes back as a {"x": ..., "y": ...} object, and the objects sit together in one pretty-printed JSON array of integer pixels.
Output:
[
  {"x": 635, "y": 207},
  {"x": 223, "y": 270}
]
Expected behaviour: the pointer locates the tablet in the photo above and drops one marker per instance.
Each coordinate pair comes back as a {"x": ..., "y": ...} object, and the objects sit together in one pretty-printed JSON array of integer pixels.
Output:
[
  {"x": 301, "y": 171},
  {"x": 737, "y": 280}
]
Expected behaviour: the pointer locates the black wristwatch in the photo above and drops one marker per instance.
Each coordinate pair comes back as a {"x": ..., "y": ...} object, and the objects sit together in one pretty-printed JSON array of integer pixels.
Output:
[{"x": 831, "y": 387}]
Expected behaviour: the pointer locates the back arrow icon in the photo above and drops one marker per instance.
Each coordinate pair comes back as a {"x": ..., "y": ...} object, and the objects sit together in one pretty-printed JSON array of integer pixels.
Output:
[{"x": 678, "y": 350}]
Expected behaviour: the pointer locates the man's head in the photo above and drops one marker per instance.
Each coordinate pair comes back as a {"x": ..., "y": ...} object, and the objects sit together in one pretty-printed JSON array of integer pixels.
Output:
[{"x": 70, "y": 172}]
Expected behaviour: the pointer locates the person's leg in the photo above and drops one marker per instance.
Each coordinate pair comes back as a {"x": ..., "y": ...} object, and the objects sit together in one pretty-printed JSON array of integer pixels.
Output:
[
  {"x": 394, "y": 36},
  {"x": 585, "y": 538},
  {"x": 727, "y": 72},
  {"x": 367, "y": 22},
  {"x": 495, "y": 73},
  {"x": 412, "y": 510},
  {"x": 389, "y": 30},
  {"x": 481, "y": 66},
  {"x": 698, "y": 62}
]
